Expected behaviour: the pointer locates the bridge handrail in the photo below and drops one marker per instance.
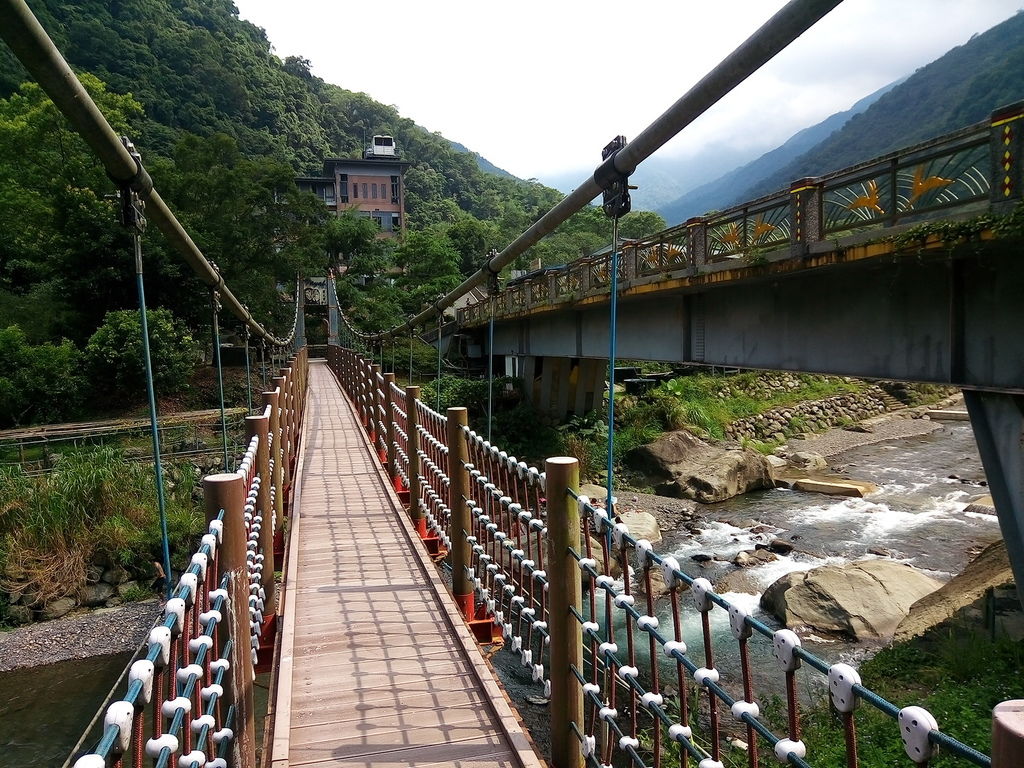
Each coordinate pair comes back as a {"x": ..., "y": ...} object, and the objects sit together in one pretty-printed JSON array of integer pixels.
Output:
[
  {"x": 955, "y": 172},
  {"x": 498, "y": 519},
  {"x": 205, "y": 650}
]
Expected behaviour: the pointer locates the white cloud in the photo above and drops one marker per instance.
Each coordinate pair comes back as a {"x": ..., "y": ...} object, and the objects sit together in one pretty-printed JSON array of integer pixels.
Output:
[{"x": 539, "y": 87}]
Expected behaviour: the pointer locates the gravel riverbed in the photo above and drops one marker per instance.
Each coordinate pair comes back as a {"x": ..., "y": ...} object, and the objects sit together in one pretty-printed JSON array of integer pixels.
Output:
[{"x": 79, "y": 636}]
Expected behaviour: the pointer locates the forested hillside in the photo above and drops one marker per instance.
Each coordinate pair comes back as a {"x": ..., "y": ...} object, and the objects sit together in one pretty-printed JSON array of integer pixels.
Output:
[
  {"x": 962, "y": 87},
  {"x": 721, "y": 193},
  {"x": 224, "y": 126}
]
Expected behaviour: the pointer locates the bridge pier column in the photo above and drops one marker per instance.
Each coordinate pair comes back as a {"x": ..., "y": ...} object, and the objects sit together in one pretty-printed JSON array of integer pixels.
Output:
[
  {"x": 564, "y": 384},
  {"x": 998, "y": 423}
]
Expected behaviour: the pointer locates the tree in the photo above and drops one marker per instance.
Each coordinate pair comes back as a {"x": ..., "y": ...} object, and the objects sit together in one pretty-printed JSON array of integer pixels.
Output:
[
  {"x": 431, "y": 268},
  {"x": 61, "y": 227},
  {"x": 639, "y": 224},
  {"x": 114, "y": 354},
  {"x": 248, "y": 217},
  {"x": 352, "y": 241},
  {"x": 472, "y": 238},
  {"x": 38, "y": 384}
]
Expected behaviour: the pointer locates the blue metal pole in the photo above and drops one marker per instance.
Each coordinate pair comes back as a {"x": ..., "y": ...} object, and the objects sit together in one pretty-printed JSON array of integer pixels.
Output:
[
  {"x": 158, "y": 469},
  {"x": 248, "y": 376},
  {"x": 613, "y": 265},
  {"x": 215, "y": 303},
  {"x": 490, "y": 369},
  {"x": 437, "y": 382}
]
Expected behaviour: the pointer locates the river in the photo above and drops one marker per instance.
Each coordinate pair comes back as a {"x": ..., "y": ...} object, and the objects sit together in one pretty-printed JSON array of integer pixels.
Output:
[{"x": 917, "y": 514}]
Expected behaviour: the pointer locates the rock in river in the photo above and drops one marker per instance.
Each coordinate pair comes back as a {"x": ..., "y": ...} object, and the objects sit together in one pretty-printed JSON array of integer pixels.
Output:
[
  {"x": 682, "y": 465},
  {"x": 865, "y": 600}
]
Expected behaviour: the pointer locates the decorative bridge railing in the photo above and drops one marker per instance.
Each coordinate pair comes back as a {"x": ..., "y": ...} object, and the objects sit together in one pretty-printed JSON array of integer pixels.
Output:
[
  {"x": 968, "y": 172},
  {"x": 189, "y": 697},
  {"x": 539, "y": 565}
]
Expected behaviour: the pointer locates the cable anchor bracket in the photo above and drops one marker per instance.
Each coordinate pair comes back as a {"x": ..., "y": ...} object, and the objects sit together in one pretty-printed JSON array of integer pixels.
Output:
[
  {"x": 133, "y": 205},
  {"x": 613, "y": 182}
]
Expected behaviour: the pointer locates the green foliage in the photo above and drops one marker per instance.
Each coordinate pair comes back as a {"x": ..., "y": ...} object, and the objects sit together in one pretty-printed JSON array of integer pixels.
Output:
[
  {"x": 93, "y": 507},
  {"x": 430, "y": 266},
  {"x": 247, "y": 215},
  {"x": 472, "y": 394},
  {"x": 957, "y": 674},
  {"x": 114, "y": 353},
  {"x": 38, "y": 384}
]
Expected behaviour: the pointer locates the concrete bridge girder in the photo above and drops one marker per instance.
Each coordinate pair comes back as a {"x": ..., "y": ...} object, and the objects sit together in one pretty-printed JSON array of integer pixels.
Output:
[{"x": 953, "y": 320}]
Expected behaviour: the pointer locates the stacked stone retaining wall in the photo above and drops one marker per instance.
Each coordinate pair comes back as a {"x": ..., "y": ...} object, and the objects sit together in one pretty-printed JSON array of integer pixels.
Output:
[{"x": 811, "y": 416}]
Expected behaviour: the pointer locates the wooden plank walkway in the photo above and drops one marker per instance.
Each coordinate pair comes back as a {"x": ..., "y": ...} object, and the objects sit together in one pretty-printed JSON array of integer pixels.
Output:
[{"x": 373, "y": 671}]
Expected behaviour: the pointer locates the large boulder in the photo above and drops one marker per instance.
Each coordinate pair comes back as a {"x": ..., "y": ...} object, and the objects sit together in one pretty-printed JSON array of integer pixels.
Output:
[
  {"x": 93, "y": 595},
  {"x": 682, "y": 465},
  {"x": 988, "y": 570},
  {"x": 865, "y": 600},
  {"x": 57, "y": 608}
]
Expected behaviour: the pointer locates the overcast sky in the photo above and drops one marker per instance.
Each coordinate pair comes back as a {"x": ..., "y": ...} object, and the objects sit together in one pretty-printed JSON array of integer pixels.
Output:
[{"x": 534, "y": 87}]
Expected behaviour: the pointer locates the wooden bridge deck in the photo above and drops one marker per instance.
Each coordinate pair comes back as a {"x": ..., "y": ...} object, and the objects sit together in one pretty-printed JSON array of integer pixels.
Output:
[{"x": 373, "y": 671}]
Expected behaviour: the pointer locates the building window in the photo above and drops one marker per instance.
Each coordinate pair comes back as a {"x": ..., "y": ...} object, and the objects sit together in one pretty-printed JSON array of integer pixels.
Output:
[
  {"x": 394, "y": 189},
  {"x": 365, "y": 196},
  {"x": 395, "y": 223},
  {"x": 373, "y": 191},
  {"x": 355, "y": 189},
  {"x": 343, "y": 190}
]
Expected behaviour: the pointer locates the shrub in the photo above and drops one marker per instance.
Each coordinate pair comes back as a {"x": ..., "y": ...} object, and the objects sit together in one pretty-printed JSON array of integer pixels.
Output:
[
  {"x": 114, "y": 353},
  {"x": 38, "y": 384}
]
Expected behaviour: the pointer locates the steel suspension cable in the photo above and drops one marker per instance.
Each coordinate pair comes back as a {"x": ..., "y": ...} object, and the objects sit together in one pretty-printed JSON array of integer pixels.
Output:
[
  {"x": 791, "y": 21},
  {"x": 158, "y": 469}
]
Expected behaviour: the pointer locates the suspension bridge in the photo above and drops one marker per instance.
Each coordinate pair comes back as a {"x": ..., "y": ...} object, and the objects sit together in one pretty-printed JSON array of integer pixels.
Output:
[{"x": 411, "y": 539}]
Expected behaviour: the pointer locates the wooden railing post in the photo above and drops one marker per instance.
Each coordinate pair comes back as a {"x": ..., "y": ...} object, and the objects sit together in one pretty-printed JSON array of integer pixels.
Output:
[
  {"x": 227, "y": 492},
  {"x": 280, "y": 384},
  {"x": 458, "y": 476},
  {"x": 259, "y": 426},
  {"x": 389, "y": 424},
  {"x": 1008, "y": 734},
  {"x": 564, "y": 593},
  {"x": 375, "y": 410},
  {"x": 412, "y": 394},
  {"x": 272, "y": 400}
]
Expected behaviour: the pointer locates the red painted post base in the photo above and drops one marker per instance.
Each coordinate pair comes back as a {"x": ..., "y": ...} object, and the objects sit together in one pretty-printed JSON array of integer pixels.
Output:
[
  {"x": 433, "y": 545},
  {"x": 467, "y": 605},
  {"x": 485, "y": 632},
  {"x": 382, "y": 456},
  {"x": 397, "y": 484},
  {"x": 403, "y": 496},
  {"x": 421, "y": 527},
  {"x": 268, "y": 639}
]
